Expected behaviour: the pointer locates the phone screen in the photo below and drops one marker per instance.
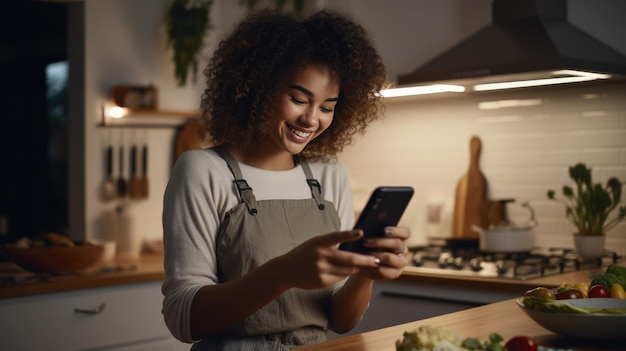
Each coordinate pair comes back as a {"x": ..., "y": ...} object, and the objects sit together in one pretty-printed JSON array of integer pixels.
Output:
[{"x": 384, "y": 208}]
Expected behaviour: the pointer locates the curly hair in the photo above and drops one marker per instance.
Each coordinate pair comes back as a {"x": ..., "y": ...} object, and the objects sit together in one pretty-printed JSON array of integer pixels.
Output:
[{"x": 250, "y": 66}]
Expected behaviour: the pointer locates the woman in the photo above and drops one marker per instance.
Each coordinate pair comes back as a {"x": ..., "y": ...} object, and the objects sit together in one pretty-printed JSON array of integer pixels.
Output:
[{"x": 252, "y": 226}]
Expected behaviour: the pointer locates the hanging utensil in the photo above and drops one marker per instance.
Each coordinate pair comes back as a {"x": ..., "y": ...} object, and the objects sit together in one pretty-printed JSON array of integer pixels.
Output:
[
  {"x": 109, "y": 192},
  {"x": 122, "y": 186},
  {"x": 144, "y": 173},
  {"x": 134, "y": 181}
]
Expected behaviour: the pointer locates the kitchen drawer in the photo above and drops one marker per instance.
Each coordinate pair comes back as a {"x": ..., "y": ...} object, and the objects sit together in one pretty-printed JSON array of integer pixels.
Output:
[
  {"x": 131, "y": 315},
  {"x": 168, "y": 344}
]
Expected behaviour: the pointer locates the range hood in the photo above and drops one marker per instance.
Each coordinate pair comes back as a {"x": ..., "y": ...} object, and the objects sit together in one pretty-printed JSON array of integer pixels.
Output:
[{"x": 528, "y": 40}]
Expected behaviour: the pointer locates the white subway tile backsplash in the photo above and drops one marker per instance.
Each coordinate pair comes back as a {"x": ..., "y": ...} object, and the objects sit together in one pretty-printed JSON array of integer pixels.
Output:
[
  {"x": 529, "y": 139},
  {"x": 600, "y": 156}
]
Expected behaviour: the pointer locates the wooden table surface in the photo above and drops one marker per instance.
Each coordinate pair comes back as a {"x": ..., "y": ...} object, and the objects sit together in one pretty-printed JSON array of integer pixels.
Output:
[{"x": 504, "y": 318}]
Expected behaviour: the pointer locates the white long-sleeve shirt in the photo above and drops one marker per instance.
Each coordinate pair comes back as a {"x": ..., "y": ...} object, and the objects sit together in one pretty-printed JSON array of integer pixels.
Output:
[{"x": 200, "y": 191}]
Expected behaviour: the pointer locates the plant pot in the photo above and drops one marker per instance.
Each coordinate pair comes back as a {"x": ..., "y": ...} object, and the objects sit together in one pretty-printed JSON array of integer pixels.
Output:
[{"x": 589, "y": 246}]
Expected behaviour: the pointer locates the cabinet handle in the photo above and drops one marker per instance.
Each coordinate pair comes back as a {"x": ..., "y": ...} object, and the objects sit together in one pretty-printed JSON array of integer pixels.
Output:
[{"x": 92, "y": 311}]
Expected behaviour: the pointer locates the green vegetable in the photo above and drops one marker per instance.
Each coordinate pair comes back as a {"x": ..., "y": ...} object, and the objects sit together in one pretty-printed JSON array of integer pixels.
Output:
[
  {"x": 565, "y": 307},
  {"x": 617, "y": 270},
  {"x": 607, "y": 279},
  {"x": 536, "y": 302},
  {"x": 472, "y": 344},
  {"x": 432, "y": 337},
  {"x": 563, "y": 288},
  {"x": 494, "y": 343}
]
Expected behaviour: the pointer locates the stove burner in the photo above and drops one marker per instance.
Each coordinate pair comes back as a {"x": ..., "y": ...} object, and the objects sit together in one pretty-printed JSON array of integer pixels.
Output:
[
  {"x": 475, "y": 264},
  {"x": 516, "y": 265}
]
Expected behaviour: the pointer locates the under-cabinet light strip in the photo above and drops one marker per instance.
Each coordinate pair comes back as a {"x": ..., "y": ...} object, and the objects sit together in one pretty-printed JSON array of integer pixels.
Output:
[{"x": 421, "y": 90}]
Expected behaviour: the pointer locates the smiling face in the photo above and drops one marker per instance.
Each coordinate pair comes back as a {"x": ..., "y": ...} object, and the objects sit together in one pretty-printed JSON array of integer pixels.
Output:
[{"x": 305, "y": 108}]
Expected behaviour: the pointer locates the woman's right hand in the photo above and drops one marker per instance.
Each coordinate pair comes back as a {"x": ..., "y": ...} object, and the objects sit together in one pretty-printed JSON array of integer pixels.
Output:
[{"x": 317, "y": 263}]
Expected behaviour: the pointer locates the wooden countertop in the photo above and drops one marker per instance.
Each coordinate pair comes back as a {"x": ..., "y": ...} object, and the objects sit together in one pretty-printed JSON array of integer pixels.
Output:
[
  {"x": 504, "y": 318},
  {"x": 147, "y": 268}
]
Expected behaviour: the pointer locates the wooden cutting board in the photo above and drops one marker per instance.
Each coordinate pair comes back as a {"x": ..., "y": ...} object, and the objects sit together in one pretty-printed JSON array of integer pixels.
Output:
[{"x": 470, "y": 198}]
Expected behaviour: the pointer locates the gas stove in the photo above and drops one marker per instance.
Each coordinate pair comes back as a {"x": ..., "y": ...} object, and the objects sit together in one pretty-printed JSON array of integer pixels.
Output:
[{"x": 470, "y": 261}]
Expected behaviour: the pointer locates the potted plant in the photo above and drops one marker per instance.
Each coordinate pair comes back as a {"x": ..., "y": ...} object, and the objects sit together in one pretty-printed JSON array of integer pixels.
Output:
[
  {"x": 588, "y": 207},
  {"x": 187, "y": 24}
]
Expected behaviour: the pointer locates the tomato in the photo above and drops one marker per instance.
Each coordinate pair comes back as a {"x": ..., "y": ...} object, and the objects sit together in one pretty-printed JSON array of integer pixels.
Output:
[
  {"x": 617, "y": 291},
  {"x": 541, "y": 292},
  {"x": 521, "y": 343},
  {"x": 569, "y": 294},
  {"x": 598, "y": 291},
  {"x": 582, "y": 287}
]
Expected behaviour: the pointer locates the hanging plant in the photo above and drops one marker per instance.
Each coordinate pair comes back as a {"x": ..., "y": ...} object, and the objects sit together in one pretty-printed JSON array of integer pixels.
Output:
[
  {"x": 298, "y": 5},
  {"x": 187, "y": 24}
]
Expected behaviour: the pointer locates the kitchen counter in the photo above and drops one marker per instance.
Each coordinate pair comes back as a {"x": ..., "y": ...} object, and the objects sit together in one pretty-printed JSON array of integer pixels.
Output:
[
  {"x": 120, "y": 271},
  {"x": 517, "y": 286},
  {"x": 504, "y": 318},
  {"x": 149, "y": 268}
]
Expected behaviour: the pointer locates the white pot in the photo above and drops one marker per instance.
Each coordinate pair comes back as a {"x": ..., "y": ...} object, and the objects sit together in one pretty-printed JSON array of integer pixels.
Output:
[
  {"x": 589, "y": 246},
  {"x": 505, "y": 240}
]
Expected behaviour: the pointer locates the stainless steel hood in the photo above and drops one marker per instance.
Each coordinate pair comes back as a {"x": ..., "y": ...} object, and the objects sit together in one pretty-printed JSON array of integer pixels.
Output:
[{"x": 527, "y": 39}]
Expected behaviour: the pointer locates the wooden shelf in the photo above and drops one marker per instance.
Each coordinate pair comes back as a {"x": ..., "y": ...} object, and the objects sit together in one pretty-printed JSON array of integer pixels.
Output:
[{"x": 149, "y": 118}]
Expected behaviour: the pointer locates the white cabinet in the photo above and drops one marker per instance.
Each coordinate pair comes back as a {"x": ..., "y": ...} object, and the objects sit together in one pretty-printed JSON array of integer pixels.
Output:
[{"x": 121, "y": 318}]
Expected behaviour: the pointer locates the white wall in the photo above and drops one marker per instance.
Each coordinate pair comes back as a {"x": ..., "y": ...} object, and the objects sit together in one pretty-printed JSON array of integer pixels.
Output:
[
  {"x": 526, "y": 150},
  {"x": 125, "y": 43}
]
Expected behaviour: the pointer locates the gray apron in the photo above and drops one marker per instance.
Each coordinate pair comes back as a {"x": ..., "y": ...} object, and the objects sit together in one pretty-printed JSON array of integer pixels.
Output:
[{"x": 254, "y": 232}]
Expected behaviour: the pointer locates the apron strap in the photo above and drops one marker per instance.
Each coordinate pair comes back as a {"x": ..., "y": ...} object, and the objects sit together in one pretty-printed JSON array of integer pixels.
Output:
[
  {"x": 245, "y": 191},
  {"x": 316, "y": 187}
]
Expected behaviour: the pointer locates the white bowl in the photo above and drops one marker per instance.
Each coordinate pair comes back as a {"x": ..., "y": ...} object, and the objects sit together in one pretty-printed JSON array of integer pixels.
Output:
[{"x": 594, "y": 326}]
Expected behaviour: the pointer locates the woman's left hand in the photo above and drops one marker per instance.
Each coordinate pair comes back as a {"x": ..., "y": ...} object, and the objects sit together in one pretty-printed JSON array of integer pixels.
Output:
[{"x": 392, "y": 255}]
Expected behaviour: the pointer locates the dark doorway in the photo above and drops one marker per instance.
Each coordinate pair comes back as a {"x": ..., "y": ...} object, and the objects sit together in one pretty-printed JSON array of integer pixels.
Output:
[{"x": 33, "y": 123}]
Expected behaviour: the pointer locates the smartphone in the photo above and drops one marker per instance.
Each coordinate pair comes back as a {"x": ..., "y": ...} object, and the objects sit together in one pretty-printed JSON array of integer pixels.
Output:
[{"x": 384, "y": 208}]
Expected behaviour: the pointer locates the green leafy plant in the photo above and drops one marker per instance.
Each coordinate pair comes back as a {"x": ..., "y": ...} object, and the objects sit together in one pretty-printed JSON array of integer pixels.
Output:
[
  {"x": 187, "y": 24},
  {"x": 589, "y": 205},
  {"x": 298, "y": 5}
]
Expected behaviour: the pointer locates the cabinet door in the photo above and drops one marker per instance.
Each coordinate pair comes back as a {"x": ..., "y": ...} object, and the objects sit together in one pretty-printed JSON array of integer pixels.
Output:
[
  {"x": 168, "y": 344},
  {"x": 85, "y": 319},
  {"x": 392, "y": 305}
]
